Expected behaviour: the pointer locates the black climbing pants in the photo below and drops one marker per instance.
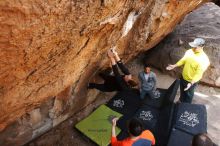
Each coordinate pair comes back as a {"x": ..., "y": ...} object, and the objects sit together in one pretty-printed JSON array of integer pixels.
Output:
[{"x": 109, "y": 84}]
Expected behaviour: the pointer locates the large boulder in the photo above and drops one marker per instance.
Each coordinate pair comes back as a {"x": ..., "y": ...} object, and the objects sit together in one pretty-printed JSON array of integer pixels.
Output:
[
  {"x": 49, "y": 50},
  {"x": 203, "y": 22}
]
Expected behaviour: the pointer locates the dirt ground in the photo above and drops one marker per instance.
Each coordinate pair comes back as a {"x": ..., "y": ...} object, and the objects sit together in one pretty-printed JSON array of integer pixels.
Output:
[{"x": 66, "y": 135}]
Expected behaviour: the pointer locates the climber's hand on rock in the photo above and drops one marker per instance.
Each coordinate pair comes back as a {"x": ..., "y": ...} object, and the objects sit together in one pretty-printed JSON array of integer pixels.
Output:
[
  {"x": 113, "y": 49},
  {"x": 110, "y": 54}
]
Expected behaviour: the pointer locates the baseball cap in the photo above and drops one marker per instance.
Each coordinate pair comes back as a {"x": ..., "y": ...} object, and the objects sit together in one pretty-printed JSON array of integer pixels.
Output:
[{"x": 198, "y": 42}]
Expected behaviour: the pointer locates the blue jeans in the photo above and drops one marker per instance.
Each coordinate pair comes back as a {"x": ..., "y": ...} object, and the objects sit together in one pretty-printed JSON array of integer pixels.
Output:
[{"x": 144, "y": 93}]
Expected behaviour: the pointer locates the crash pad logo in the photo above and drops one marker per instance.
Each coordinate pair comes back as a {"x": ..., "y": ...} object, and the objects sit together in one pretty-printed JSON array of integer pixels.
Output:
[
  {"x": 119, "y": 103},
  {"x": 189, "y": 119},
  {"x": 156, "y": 93},
  {"x": 146, "y": 115}
]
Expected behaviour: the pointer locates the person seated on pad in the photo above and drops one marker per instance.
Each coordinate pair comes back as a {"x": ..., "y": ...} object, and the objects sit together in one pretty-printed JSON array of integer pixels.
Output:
[
  {"x": 202, "y": 140},
  {"x": 148, "y": 82},
  {"x": 115, "y": 82},
  {"x": 138, "y": 136}
]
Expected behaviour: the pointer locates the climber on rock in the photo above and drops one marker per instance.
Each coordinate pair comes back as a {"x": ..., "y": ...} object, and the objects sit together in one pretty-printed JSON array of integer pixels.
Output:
[
  {"x": 195, "y": 62},
  {"x": 115, "y": 82},
  {"x": 148, "y": 82}
]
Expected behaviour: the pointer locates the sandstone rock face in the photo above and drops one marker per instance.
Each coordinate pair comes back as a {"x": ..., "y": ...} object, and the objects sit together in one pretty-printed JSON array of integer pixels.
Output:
[
  {"x": 50, "y": 49},
  {"x": 203, "y": 22}
]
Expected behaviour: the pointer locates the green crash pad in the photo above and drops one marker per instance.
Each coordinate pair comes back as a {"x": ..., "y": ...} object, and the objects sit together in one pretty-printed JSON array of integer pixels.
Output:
[{"x": 98, "y": 126}]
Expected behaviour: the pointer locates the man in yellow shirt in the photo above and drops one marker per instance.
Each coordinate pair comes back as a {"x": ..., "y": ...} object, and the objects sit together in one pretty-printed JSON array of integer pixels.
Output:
[{"x": 195, "y": 62}]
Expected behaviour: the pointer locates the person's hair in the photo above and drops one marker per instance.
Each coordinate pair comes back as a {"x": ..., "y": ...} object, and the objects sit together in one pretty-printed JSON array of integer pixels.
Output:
[
  {"x": 201, "y": 140},
  {"x": 147, "y": 65},
  {"x": 132, "y": 83},
  {"x": 135, "y": 127}
]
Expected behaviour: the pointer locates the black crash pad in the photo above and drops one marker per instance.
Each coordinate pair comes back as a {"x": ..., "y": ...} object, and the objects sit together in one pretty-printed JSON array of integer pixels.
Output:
[
  {"x": 179, "y": 138},
  {"x": 156, "y": 102},
  {"x": 125, "y": 102},
  {"x": 165, "y": 96},
  {"x": 148, "y": 116},
  {"x": 164, "y": 125},
  {"x": 171, "y": 92},
  {"x": 191, "y": 118}
]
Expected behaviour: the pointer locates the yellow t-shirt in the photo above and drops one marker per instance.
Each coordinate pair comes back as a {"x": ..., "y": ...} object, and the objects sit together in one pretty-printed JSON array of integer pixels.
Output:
[{"x": 195, "y": 64}]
